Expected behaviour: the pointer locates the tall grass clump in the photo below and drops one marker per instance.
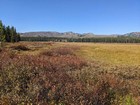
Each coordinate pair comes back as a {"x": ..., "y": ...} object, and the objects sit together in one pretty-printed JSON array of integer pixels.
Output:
[{"x": 20, "y": 48}]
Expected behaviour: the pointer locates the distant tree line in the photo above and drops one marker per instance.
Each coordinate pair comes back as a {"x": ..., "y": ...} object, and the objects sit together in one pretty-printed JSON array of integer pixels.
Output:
[
  {"x": 119, "y": 39},
  {"x": 55, "y": 39},
  {"x": 8, "y": 34}
]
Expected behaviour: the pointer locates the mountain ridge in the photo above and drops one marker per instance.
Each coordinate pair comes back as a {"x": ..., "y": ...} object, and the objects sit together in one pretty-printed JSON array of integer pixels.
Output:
[{"x": 74, "y": 35}]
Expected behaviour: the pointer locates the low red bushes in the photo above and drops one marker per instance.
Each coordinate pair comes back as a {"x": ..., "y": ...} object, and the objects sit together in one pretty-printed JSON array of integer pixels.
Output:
[{"x": 59, "y": 51}]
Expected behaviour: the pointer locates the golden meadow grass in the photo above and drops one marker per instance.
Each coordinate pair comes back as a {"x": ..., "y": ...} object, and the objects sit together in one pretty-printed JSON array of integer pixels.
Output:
[{"x": 118, "y": 54}]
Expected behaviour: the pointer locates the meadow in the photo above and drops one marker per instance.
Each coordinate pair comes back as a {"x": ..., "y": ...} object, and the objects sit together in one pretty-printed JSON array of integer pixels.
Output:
[{"x": 54, "y": 73}]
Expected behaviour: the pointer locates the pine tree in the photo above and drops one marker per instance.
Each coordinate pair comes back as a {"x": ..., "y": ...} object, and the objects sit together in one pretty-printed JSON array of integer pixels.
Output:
[
  {"x": 12, "y": 33},
  {"x": 18, "y": 37},
  {"x": 8, "y": 34},
  {"x": 1, "y": 27},
  {"x": 1, "y": 33}
]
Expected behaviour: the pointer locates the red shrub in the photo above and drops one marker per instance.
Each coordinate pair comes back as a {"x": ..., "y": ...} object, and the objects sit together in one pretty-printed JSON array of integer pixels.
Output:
[{"x": 59, "y": 51}]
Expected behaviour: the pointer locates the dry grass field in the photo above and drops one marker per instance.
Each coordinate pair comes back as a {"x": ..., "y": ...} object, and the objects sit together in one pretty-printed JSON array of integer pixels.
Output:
[
  {"x": 52, "y": 73},
  {"x": 114, "y": 54}
]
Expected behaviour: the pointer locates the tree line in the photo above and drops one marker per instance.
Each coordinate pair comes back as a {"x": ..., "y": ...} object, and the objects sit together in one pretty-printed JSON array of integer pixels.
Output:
[
  {"x": 118, "y": 39},
  {"x": 8, "y": 34}
]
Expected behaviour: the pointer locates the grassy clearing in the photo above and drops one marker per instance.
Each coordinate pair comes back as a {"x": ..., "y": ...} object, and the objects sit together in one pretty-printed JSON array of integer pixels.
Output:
[
  {"x": 114, "y": 54},
  {"x": 69, "y": 73}
]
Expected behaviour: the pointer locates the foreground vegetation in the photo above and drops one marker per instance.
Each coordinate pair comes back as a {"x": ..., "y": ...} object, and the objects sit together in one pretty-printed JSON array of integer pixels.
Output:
[{"x": 41, "y": 73}]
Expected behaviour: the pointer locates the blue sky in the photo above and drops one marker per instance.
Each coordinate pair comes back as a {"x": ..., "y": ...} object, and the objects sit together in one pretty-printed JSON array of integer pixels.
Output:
[{"x": 82, "y": 16}]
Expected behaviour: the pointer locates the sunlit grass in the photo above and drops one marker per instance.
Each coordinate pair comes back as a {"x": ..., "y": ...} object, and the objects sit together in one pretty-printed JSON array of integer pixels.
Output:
[{"x": 114, "y": 54}]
